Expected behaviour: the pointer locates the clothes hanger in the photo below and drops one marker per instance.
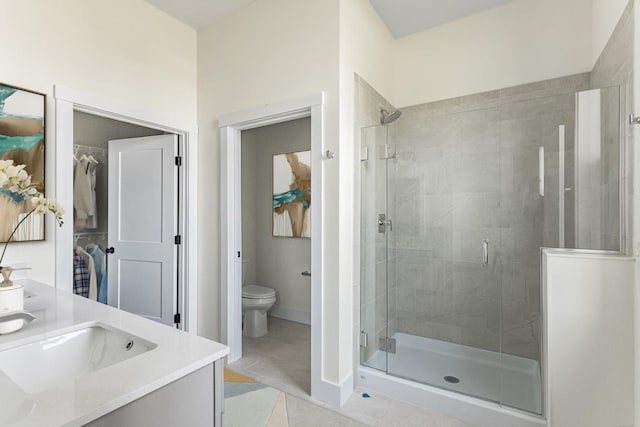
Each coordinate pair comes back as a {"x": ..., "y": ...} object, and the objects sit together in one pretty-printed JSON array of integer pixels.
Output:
[{"x": 90, "y": 244}]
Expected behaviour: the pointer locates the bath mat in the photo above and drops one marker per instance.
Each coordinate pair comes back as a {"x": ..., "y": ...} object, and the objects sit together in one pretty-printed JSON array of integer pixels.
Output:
[{"x": 251, "y": 404}]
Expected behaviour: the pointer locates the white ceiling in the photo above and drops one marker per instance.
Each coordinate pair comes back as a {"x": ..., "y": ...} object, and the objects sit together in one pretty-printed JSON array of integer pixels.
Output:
[
  {"x": 199, "y": 14},
  {"x": 402, "y": 17}
]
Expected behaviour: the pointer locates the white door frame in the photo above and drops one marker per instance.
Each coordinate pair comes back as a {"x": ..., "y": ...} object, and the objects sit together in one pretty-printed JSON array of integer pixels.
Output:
[
  {"x": 231, "y": 126},
  {"x": 67, "y": 101}
]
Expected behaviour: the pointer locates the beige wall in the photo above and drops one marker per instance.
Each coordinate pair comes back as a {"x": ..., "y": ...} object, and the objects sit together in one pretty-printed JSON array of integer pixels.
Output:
[
  {"x": 275, "y": 262},
  {"x": 605, "y": 16},
  {"x": 520, "y": 42},
  {"x": 122, "y": 50},
  {"x": 269, "y": 51}
]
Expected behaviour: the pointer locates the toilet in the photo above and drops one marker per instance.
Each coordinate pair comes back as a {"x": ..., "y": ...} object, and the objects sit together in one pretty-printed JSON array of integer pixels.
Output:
[{"x": 256, "y": 301}]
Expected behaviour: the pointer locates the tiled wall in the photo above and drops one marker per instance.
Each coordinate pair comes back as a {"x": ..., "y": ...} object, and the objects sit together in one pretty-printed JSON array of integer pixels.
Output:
[{"x": 466, "y": 170}]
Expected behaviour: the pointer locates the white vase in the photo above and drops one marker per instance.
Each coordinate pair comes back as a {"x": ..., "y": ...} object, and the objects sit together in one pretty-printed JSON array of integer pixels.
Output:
[{"x": 11, "y": 299}]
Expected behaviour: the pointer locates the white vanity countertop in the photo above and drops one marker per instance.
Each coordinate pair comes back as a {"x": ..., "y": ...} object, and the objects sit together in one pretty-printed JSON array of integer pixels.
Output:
[{"x": 85, "y": 399}]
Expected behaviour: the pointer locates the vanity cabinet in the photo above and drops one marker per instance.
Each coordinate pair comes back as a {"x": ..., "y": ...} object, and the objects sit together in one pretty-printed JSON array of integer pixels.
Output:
[{"x": 194, "y": 400}]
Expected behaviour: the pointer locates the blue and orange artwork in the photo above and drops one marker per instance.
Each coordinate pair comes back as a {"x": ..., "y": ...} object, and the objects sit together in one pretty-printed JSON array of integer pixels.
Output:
[
  {"x": 292, "y": 194},
  {"x": 22, "y": 138}
]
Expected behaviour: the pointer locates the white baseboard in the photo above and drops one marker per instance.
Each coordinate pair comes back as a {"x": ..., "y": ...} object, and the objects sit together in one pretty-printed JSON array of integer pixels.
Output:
[
  {"x": 346, "y": 389},
  {"x": 293, "y": 314},
  {"x": 334, "y": 394}
]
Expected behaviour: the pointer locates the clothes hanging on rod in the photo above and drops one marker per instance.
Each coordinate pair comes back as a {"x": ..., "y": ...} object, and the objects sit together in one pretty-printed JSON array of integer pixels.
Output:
[
  {"x": 100, "y": 264},
  {"x": 93, "y": 282},
  {"x": 93, "y": 243},
  {"x": 80, "y": 276},
  {"x": 84, "y": 193}
]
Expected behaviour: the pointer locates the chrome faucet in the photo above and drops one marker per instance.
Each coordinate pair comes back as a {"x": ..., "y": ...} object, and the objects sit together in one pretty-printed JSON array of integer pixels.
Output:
[{"x": 15, "y": 315}]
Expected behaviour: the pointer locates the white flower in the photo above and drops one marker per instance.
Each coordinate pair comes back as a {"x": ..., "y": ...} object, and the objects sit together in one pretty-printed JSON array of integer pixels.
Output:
[
  {"x": 41, "y": 205},
  {"x": 55, "y": 207}
]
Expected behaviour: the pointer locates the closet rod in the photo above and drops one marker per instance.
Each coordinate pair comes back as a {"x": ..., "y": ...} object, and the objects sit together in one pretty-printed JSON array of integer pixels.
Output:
[
  {"x": 90, "y": 233},
  {"x": 91, "y": 148}
]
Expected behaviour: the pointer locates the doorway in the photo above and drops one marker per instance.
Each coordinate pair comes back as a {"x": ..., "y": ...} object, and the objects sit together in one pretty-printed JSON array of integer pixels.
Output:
[
  {"x": 277, "y": 194},
  {"x": 231, "y": 127},
  {"x": 183, "y": 213},
  {"x": 126, "y": 213}
]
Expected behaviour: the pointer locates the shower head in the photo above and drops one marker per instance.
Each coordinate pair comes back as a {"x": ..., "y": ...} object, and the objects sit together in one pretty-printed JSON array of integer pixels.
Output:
[{"x": 387, "y": 117}]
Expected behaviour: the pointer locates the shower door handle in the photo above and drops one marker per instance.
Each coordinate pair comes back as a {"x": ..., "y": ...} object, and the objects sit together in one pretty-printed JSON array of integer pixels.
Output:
[
  {"x": 485, "y": 252},
  {"x": 541, "y": 171}
]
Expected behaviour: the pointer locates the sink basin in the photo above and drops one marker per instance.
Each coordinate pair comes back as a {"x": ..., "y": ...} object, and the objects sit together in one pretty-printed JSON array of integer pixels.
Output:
[{"x": 46, "y": 364}]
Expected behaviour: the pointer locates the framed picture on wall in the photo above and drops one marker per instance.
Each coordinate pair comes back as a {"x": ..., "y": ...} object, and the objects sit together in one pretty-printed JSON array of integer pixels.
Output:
[
  {"x": 22, "y": 139},
  {"x": 292, "y": 194}
]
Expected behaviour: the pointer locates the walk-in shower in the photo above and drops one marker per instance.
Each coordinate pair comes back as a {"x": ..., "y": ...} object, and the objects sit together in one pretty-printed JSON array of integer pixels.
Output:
[{"x": 457, "y": 198}]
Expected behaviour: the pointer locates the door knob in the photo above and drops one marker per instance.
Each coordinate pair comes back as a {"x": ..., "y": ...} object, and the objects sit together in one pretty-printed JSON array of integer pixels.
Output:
[
  {"x": 306, "y": 273},
  {"x": 110, "y": 250}
]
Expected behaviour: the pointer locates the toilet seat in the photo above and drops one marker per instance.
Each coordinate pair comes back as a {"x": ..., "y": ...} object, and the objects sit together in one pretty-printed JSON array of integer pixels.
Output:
[{"x": 257, "y": 292}]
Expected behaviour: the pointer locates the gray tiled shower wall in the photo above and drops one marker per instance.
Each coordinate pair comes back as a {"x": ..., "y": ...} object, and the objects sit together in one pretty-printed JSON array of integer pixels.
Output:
[{"x": 466, "y": 170}]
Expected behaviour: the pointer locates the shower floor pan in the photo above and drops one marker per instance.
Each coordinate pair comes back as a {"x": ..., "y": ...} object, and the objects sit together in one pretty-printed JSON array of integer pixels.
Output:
[{"x": 509, "y": 380}]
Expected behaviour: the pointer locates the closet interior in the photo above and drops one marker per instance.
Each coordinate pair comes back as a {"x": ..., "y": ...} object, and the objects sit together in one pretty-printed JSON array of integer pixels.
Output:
[{"x": 91, "y": 200}]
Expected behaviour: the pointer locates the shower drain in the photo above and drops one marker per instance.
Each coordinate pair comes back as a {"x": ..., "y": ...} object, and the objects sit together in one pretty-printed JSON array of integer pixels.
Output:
[{"x": 452, "y": 379}]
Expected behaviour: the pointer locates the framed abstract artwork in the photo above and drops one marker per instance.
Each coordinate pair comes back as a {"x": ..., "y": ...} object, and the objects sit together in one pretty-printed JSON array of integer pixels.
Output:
[
  {"x": 22, "y": 139},
  {"x": 292, "y": 194}
]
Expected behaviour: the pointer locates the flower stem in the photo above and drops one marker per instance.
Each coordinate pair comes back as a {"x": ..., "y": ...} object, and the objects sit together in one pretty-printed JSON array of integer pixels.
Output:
[{"x": 14, "y": 232}]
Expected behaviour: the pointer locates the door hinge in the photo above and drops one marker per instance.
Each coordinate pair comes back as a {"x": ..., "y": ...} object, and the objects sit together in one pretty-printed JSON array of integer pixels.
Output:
[
  {"x": 383, "y": 223},
  {"x": 387, "y": 344},
  {"x": 178, "y": 239},
  {"x": 176, "y": 318},
  {"x": 178, "y": 160}
]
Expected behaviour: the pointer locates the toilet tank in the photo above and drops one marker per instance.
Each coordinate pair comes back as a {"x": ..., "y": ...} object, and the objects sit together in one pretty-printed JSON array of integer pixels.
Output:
[{"x": 245, "y": 263}]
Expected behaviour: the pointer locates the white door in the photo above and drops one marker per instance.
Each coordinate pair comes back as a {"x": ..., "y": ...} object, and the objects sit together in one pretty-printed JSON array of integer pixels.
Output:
[{"x": 143, "y": 183}]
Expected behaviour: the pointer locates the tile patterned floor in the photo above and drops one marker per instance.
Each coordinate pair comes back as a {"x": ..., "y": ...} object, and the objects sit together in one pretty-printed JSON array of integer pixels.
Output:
[{"x": 282, "y": 360}]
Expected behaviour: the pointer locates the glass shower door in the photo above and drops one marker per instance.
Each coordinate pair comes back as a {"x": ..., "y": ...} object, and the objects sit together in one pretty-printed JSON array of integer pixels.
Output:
[
  {"x": 444, "y": 184},
  {"x": 373, "y": 250}
]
